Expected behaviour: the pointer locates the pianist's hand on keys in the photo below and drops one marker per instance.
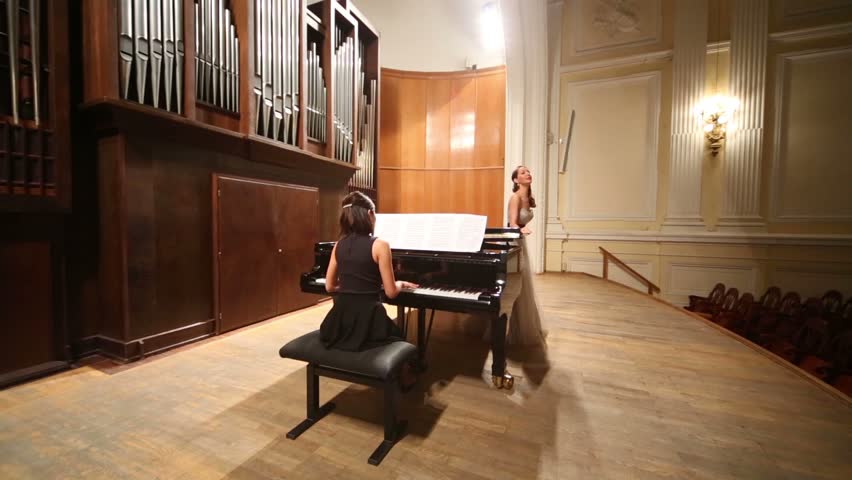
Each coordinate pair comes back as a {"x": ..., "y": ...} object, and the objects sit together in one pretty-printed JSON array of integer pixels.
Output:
[{"x": 445, "y": 293}]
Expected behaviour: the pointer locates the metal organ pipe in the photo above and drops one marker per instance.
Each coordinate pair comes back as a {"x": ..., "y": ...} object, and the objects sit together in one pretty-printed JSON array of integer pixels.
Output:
[{"x": 151, "y": 51}]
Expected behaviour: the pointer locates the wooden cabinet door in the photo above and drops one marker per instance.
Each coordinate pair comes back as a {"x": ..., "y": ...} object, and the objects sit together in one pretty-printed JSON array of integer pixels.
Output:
[
  {"x": 298, "y": 231},
  {"x": 27, "y": 318},
  {"x": 247, "y": 272}
]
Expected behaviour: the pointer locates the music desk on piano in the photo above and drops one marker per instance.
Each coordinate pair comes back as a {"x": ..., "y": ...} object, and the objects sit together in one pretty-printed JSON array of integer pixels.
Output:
[{"x": 484, "y": 281}]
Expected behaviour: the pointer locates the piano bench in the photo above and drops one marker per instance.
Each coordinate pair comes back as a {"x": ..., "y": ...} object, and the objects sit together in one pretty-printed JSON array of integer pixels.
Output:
[{"x": 376, "y": 367}]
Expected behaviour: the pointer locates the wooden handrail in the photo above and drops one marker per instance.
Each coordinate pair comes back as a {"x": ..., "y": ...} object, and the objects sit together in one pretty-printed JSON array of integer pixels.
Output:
[{"x": 609, "y": 256}]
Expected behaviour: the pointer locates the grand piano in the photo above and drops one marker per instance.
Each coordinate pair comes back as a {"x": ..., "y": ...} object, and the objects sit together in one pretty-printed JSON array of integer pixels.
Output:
[{"x": 484, "y": 281}]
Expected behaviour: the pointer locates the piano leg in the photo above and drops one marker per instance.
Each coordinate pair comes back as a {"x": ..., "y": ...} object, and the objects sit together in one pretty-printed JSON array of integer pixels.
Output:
[
  {"x": 401, "y": 321},
  {"x": 499, "y": 376},
  {"x": 421, "y": 340}
]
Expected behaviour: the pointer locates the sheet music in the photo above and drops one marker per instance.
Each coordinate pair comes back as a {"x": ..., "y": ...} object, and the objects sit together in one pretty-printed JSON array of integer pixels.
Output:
[{"x": 443, "y": 232}]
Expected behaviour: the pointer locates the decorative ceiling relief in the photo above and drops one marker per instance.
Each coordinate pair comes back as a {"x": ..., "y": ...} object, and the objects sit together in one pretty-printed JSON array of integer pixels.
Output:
[
  {"x": 616, "y": 16},
  {"x": 599, "y": 25}
]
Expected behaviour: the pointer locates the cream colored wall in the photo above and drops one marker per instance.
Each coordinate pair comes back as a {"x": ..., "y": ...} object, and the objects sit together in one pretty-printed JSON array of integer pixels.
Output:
[
  {"x": 430, "y": 36},
  {"x": 612, "y": 77}
]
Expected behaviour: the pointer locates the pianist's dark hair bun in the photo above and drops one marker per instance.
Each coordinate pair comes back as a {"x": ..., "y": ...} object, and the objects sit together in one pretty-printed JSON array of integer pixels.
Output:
[
  {"x": 516, "y": 187},
  {"x": 355, "y": 214}
]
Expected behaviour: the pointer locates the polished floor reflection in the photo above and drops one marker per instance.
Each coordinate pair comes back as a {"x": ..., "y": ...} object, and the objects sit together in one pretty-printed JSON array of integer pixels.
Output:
[{"x": 628, "y": 387}]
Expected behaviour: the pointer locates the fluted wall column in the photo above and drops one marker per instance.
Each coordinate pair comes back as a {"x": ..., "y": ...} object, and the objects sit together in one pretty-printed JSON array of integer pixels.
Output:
[
  {"x": 524, "y": 24},
  {"x": 688, "y": 143},
  {"x": 744, "y": 149},
  {"x": 554, "y": 60}
]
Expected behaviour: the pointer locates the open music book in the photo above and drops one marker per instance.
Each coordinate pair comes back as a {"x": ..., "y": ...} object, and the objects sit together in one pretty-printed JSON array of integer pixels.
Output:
[{"x": 443, "y": 232}]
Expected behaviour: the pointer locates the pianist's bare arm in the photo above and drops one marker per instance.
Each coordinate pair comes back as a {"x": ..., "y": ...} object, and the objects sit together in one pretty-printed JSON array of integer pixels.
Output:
[
  {"x": 331, "y": 274},
  {"x": 382, "y": 256}
]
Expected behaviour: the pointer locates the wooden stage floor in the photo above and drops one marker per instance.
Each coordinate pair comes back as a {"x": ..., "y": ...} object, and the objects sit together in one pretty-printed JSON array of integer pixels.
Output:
[{"x": 628, "y": 387}]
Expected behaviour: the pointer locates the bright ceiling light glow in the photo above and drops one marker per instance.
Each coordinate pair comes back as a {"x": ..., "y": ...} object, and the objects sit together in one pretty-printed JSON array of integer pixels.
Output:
[{"x": 491, "y": 26}]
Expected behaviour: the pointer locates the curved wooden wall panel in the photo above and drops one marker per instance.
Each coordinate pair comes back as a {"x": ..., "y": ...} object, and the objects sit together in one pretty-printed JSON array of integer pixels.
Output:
[{"x": 442, "y": 142}]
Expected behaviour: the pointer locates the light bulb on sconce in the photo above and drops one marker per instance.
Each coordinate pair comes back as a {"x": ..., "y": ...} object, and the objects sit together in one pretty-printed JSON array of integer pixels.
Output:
[{"x": 715, "y": 112}]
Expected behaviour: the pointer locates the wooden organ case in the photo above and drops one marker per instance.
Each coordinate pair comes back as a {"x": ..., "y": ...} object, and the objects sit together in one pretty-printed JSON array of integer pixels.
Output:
[
  {"x": 213, "y": 140},
  {"x": 35, "y": 190}
]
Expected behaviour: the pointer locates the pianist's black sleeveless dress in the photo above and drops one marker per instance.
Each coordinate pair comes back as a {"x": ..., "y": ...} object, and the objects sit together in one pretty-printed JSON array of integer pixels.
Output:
[{"x": 358, "y": 320}]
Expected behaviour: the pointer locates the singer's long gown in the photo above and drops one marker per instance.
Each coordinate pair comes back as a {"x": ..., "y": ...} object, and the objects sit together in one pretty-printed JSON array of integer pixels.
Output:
[{"x": 525, "y": 322}]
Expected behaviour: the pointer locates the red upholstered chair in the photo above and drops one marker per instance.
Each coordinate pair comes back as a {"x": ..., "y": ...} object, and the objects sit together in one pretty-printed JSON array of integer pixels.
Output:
[
  {"x": 771, "y": 299},
  {"x": 840, "y": 371},
  {"x": 810, "y": 344},
  {"x": 726, "y": 305},
  {"x": 700, "y": 304},
  {"x": 841, "y": 321},
  {"x": 831, "y": 303},
  {"x": 763, "y": 329},
  {"x": 735, "y": 320},
  {"x": 781, "y": 341}
]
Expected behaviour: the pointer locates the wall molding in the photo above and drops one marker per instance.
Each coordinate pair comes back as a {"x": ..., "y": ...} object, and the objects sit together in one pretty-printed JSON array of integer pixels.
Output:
[
  {"x": 787, "y": 13},
  {"x": 811, "y": 281},
  {"x": 449, "y": 74},
  {"x": 828, "y": 240},
  {"x": 598, "y": 261},
  {"x": 653, "y": 80},
  {"x": 812, "y": 33},
  {"x": 638, "y": 59},
  {"x": 784, "y": 60},
  {"x": 718, "y": 47},
  {"x": 750, "y": 271}
]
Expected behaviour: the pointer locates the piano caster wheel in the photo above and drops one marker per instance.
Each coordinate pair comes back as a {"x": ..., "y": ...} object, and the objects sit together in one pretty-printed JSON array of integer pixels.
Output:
[{"x": 507, "y": 381}]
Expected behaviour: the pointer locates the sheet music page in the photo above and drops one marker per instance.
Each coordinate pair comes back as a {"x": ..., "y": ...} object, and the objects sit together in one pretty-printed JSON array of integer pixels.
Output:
[{"x": 443, "y": 232}]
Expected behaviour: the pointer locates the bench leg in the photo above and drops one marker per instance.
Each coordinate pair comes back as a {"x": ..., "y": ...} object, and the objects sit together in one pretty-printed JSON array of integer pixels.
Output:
[
  {"x": 315, "y": 413},
  {"x": 393, "y": 429}
]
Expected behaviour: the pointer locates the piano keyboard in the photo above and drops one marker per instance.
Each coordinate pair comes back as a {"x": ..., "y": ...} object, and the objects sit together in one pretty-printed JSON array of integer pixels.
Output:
[
  {"x": 445, "y": 293},
  {"x": 503, "y": 236},
  {"x": 458, "y": 294}
]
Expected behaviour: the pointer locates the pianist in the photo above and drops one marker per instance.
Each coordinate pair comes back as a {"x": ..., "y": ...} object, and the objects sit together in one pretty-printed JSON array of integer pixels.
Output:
[{"x": 360, "y": 266}]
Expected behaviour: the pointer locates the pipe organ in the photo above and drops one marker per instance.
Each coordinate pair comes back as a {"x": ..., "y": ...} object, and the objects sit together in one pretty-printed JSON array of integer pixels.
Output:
[
  {"x": 31, "y": 36},
  {"x": 217, "y": 55},
  {"x": 305, "y": 76},
  {"x": 151, "y": 52},
  {"x": 317, "y": 93},
  {"x": 177, "y": 93},
  {"x": 344, "y": 72},
  {"x": 368, "y": 93},
  {"x": 153, "y": 99},
  {"x": 313, "y": 82},
  {"x": 276, "y": 82}
]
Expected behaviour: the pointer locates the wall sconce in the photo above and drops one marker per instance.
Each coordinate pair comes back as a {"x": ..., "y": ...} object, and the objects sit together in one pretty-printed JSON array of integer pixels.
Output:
[{"x": 715, "y": 112}]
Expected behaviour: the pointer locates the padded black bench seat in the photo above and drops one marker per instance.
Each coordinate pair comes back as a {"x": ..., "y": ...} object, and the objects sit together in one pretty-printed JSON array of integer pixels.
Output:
[{"x": 377, "y": 367}]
